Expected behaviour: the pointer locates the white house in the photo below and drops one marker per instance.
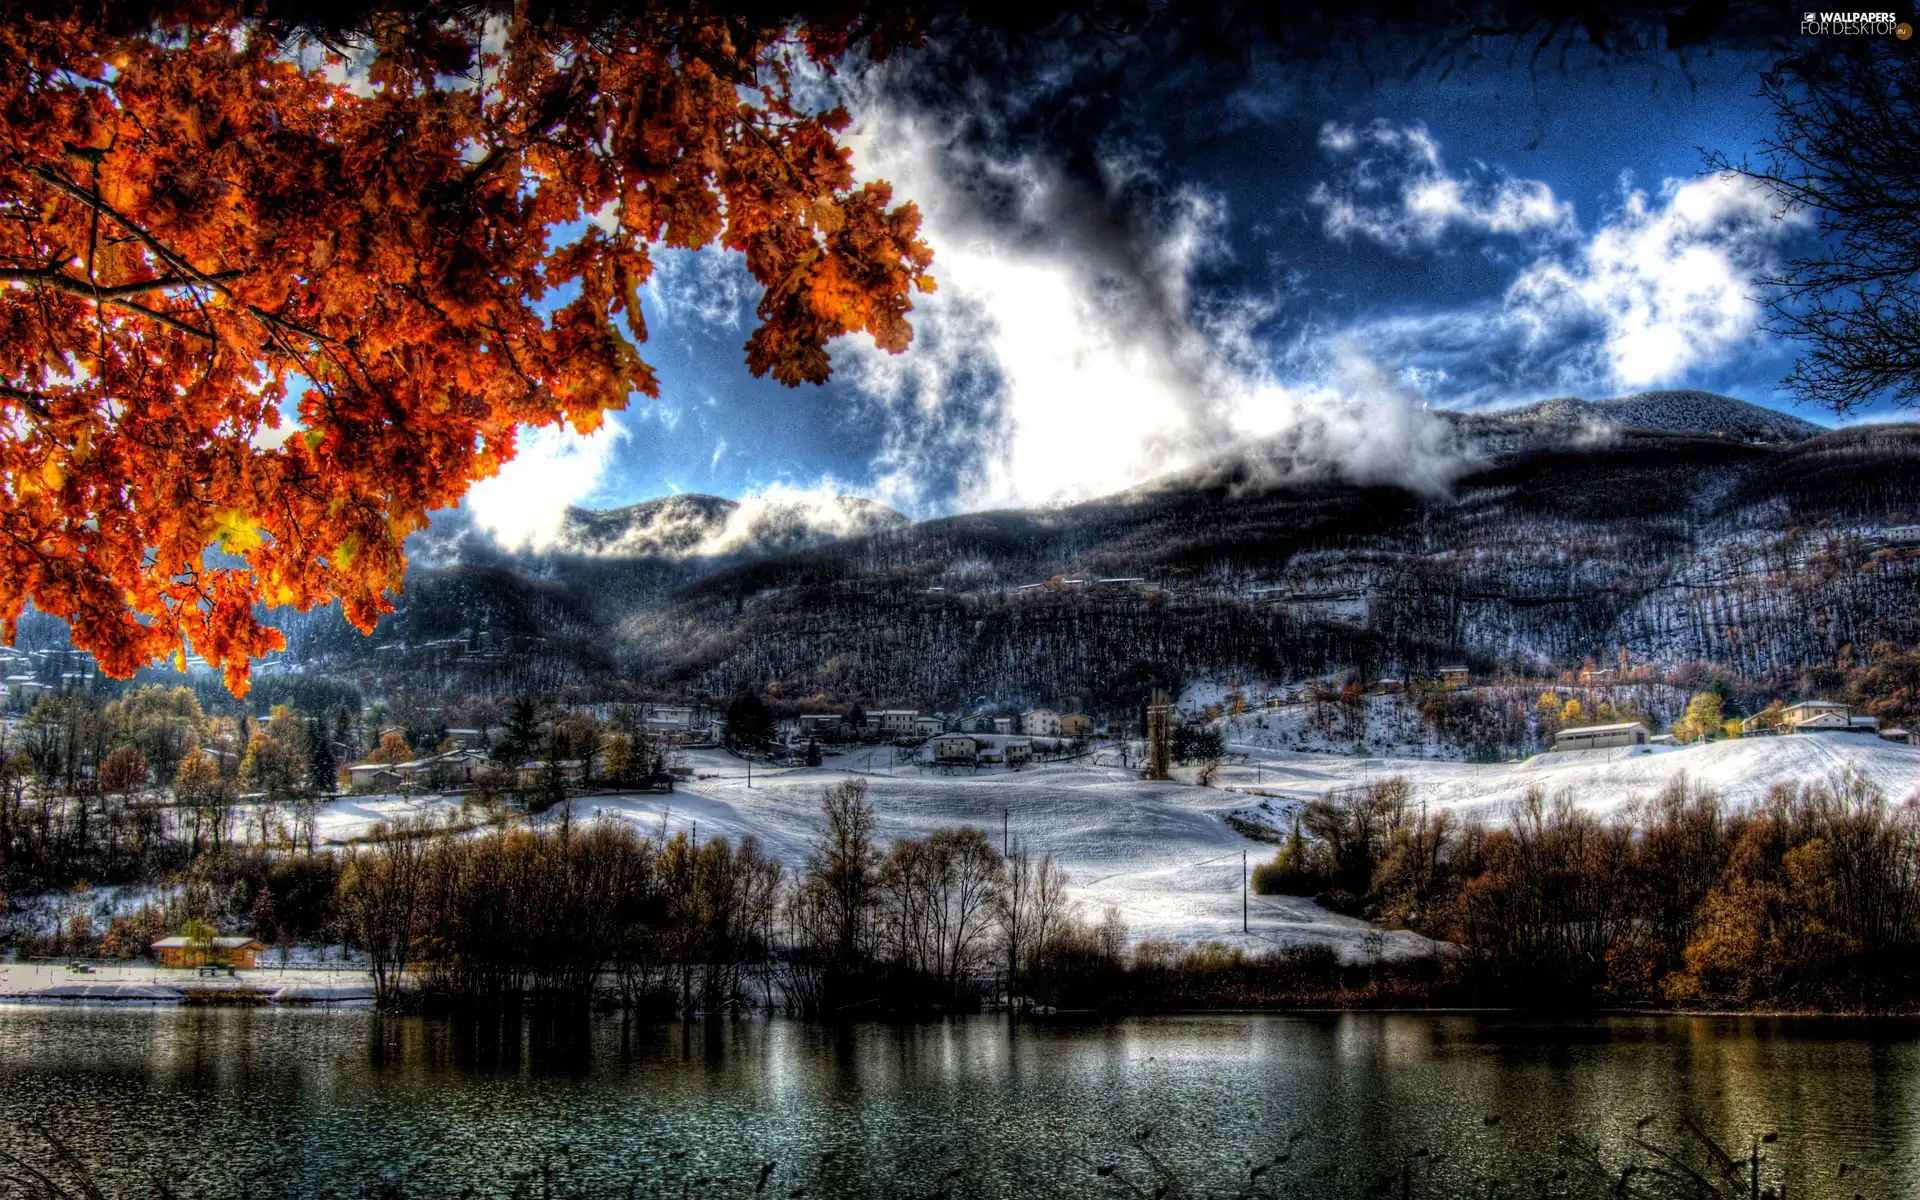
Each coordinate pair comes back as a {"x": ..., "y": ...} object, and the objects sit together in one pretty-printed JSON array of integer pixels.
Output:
[
  {"x": 373, "y": 777},
  {"x": 927, "y": 726},
  {"x": 1040, "y": 722},
  {"x": 955, "y": 748},
  {"x": 1003, "y": 724},
  {"x": 894, "y": 722},
  {"x": 1837, "y": 722},
  {"x": 1807, "y": 711},
  {"x": 1602, "y": 737},
  {"x": 1016, "y": 752}
]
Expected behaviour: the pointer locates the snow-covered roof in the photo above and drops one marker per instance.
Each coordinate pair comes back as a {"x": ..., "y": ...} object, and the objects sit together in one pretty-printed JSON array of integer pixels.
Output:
[{"x": 220, "y": 943}]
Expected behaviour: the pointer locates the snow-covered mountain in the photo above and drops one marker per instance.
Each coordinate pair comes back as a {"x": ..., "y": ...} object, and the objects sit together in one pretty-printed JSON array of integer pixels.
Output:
[
  {"x": 1678, "y": 411},
  {"x": 1760, "y": 557},
  {"x": 710, "y": 527}
]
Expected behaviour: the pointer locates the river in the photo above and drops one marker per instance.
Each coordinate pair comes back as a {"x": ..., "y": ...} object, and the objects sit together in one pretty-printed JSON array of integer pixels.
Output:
[{"x": 271, "y": 1103}]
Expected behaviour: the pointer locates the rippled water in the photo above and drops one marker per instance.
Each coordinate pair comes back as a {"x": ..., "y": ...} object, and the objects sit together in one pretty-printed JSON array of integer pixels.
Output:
[{"x": 291, "y": 1103}]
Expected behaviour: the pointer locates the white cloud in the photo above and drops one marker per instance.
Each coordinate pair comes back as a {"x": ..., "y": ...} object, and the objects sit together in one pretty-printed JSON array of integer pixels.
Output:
[
  {"x": 553, "y": 468},
  {"x": 1396, "y": 191},
  {"x": 1063, "y": 357},
  {"x": 1667, "y": 280}
]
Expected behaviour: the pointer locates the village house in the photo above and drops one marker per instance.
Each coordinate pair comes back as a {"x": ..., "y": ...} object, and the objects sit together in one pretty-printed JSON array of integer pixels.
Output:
[
  {"x": 927, "y": 726},
  {"x": 1602, "y": 737},
  {"x": 1455, "y": 678},
  {"x": 1040, "y": 722},
  {"x": 373, "y": 777},
  {"x": 955, "y": 748},
  {"x": 1076, "y": 725},
  {"x": 816, "y": 725},
  {"x": 892, "y": 722},
  {"x": 1016, "y": 752},
  {"x": 1003, "y": 725},
  {"x": 533, "y": 775},
  {"x": 235, "y": 952},
  {"x": 1824, "y": 716},
  {"x": 1905, "y": 737},
  {"x": 977, "y": 723},
  {"x": 1592, "y": 676},
  {"x": 1838, "y": 722}
]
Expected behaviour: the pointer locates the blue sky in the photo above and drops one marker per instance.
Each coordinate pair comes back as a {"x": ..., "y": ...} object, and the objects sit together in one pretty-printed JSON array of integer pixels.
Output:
[{"x": 1146, "y": 264}]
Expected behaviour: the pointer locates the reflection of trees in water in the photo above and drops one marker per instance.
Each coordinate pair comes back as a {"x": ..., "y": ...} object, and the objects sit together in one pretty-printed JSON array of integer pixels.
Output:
[{"x": 1660, "y": 1160}]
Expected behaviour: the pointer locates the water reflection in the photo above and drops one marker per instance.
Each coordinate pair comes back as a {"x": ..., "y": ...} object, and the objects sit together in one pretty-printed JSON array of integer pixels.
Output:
[{"x": 288, "y": 1103}]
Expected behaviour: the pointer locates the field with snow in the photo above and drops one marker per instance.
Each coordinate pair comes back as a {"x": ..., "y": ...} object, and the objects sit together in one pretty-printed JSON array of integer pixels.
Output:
[{"x": 1162, "y": 854}]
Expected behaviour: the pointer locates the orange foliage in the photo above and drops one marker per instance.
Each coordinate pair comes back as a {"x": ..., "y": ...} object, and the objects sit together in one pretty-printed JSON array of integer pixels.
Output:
[{"x": 211, "y": 222}]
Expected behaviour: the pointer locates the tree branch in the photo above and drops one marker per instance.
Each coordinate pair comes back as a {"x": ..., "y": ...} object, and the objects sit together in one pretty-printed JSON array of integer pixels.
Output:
[
  {"x": 80, "y": 287},
  {"x": 72, "y": 190}
]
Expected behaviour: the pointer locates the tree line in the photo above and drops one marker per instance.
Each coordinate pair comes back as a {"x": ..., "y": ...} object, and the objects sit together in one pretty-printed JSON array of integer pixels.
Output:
[
  {"x": 1809, "y": 899},
  {"x": 602, "y": 912}
]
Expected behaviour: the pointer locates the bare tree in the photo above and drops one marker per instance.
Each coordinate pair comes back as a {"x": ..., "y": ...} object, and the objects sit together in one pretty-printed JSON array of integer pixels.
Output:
[{"x": 1843, "y": 150}]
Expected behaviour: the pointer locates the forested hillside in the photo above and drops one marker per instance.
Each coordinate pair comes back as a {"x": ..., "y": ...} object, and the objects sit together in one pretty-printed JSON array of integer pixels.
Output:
[{"x": 1765, "y": 558}]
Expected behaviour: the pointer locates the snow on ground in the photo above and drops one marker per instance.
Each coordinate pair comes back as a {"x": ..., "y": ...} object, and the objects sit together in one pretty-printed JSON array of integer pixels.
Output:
[
  {"x": 145, "y": 983},
  {"x": 1741, "y": 771},
  {"x": 1162, "y": 853}
]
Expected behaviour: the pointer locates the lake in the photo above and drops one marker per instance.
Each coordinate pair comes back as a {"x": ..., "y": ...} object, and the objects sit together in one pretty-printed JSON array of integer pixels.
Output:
[{"x": 348, "y": 1103}]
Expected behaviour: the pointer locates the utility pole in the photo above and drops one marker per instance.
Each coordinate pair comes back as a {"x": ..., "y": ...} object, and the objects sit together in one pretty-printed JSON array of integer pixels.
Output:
[
  {"x": 1006, "y": 825},
  {"x": 1243, "y": 891},
  {"x": 749, "y": 771}
]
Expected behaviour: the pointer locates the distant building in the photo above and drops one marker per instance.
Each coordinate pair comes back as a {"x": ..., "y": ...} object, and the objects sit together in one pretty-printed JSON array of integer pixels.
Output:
[
  {"x": 373, "y": 777},
  {"x": 1076, "y": 725},
  {"x": 533, "y": 775},
  {"x": 1598, "y": 676},
  {"x": 1906, "y": 737},
  {"x": 818, "y": 724},
  {"x": 955, "y": 748},
  {"x": 1040, "y": 722},
  {"x": 893, "y": 722},
  {"x": 1838, "y": 722},
  {"x": 236, "y": 952},
  {"x": 1796, "y": 715},
  {"x": 1456, "y": 677},
  {"x": 1016, "y": 752},
  {"x": 1003, "y": 724},
  {"x": 1602, "y": 737},
  {"x": 928, "y": 726}
]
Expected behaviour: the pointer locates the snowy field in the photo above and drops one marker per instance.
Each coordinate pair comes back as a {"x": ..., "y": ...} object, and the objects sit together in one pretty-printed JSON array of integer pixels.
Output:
[
  {"x": 1741, "y": 772},
  {"x": 1162, "y": 853}
]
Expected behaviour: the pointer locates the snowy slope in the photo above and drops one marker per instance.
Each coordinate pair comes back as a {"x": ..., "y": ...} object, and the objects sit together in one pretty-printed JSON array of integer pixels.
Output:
[
  {"x": 1162, "y": 853},
  {"x": 1600, "y": 780}
]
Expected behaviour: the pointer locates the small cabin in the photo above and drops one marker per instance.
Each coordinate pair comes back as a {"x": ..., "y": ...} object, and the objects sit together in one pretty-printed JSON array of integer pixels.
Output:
[
  {"x": 1455, "y": 678},
  {"x": 1602, "y": 737},
  {"x": 235, "y": 952}
]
